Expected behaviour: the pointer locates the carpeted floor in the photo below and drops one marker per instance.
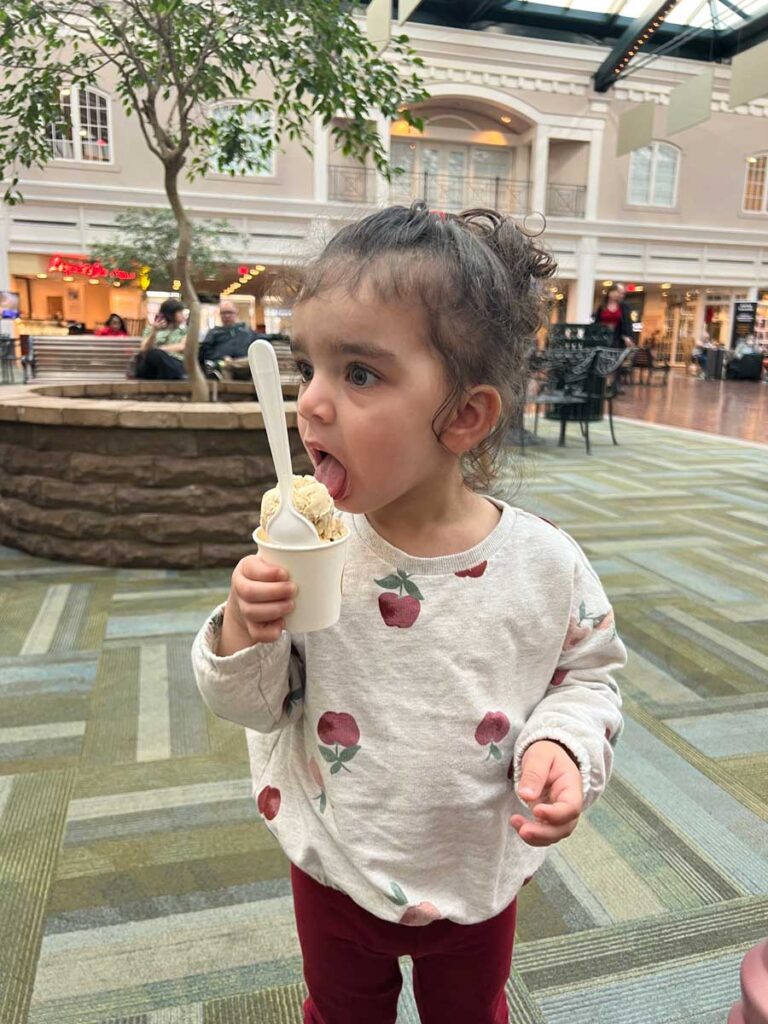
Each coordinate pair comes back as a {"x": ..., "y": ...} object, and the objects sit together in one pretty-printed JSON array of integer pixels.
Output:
[{"x": 137, "y": 884}]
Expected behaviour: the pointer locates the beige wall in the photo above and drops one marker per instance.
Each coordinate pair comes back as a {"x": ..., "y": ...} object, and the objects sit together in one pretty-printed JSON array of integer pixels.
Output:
[{"x": 568, "y": 162}]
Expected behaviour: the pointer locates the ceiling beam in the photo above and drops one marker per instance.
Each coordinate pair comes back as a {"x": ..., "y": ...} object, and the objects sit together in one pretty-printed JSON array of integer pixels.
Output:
[
  {"x": 745, "y": 36},
  {"x": 635, "y": 36}
]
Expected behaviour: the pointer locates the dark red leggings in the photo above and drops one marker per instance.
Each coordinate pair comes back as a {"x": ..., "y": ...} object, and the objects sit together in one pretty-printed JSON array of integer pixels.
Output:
[{"x": 352, "y": 973}]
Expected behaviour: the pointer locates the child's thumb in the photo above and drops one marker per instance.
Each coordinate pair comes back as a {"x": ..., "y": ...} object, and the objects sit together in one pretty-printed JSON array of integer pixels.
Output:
[{"x": 531, "y": 781}]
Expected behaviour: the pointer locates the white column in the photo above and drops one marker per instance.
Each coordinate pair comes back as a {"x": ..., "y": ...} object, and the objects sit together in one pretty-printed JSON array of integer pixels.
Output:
[
  {"x": 320, "y": 157},
  {"x": 586, "y": 266},
  {"x": 539, "y": 162},
  {"x": 752, "y": 294},
  {"x": 382, "y": 185},
  {"x": 571, "y": 314},
  {"x": 593, "y": 174}
]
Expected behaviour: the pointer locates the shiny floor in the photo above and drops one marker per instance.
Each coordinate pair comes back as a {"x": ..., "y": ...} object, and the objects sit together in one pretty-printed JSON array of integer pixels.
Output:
[{"x": 731, "y": 408}]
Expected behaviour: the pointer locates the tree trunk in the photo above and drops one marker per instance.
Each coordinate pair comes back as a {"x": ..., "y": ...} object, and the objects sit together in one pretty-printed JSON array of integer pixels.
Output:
[{"x": 188, "y": 293}]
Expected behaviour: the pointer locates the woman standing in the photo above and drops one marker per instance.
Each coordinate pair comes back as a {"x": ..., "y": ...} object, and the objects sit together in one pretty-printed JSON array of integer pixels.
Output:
[
  {"x": 161, "y": 356},
  {"x": 614, "y": 312}
]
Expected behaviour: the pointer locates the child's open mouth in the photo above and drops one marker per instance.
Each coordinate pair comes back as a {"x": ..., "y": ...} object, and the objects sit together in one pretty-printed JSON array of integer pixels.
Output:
[{"x": 329, "y": 471}]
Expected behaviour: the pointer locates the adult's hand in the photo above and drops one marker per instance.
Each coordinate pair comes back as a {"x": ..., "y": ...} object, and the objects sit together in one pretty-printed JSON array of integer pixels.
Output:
[{"x": 550, "y": 781}]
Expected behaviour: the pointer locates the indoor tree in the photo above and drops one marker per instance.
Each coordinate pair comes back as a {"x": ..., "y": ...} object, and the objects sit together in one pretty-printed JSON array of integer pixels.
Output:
[{"x": 278, "y": 63}]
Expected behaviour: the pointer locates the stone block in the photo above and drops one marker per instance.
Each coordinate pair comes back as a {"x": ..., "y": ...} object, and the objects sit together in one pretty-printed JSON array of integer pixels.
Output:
[
  {"x": 68, "y": 439},
  {"x": 207, "y": 416},
  {"x": 131, "y": 469},
  {"x": 37, "y": 409},
  {"x": 8, "y": 411},
  {"x": 177, "y": 472},
  {"x": 28, "y": 460},
  {"x": 95, "y": 413},
  {"x": 227, "y": 555},
  {"x": 22, "y": 486},
  {"x": 231, "y": 442},
  {"x": 162, "y": 443},
  {"x": 61, "y": 493},
  {"x": 149, "y": 415}
]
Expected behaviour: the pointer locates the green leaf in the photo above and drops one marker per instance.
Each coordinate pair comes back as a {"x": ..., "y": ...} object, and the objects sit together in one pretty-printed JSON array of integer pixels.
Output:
[
  {"x": 328, "y": 754},
  {"x": 323, "y": 802},
  {"x": 336, "y": 768},
  {"x": 582, "y": 611},
  {"x": 348, "y": 753},
  {"x": 390, "y": 582},
  {"x": 413, "y": 590},
  {"x": 399, "y": 898},
  {"x": 495, "y": 752}
]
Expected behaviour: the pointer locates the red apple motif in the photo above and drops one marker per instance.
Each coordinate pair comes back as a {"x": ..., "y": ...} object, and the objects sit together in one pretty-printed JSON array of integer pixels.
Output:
[
  {"x": 558, "y": 676},
  {"x": 493, "y": 728},
  {"x": 400, "y": 610},
  {"x": 421, "y": 914},
  {"x": 606, "y": 621},
  {"x": 338, "y": 727},
  {"x": 268, "y": 802},
  {"x": 474, "y": 572},
  {"x": 338, "y": 730}
]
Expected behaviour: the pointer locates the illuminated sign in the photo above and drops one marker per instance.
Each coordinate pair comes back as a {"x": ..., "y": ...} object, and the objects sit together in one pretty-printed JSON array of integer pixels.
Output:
[{"x": 75, "y": 265}]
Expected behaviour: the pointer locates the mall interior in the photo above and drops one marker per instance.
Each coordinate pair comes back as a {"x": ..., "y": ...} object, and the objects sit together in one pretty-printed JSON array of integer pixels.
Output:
[{"x": 144, "y": 877}]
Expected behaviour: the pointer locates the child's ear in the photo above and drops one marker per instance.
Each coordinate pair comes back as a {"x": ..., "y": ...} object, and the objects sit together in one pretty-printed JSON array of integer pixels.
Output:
[{"x": 473, "y": 418}]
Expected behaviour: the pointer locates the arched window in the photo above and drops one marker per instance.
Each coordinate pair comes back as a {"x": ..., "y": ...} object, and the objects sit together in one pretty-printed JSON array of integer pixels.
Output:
[
  {"x": 653, "y": 173},
  {"x": 756, "y": 184},
  {"x": 259, "y": 123},
  {"x": 84, "y": 129}
]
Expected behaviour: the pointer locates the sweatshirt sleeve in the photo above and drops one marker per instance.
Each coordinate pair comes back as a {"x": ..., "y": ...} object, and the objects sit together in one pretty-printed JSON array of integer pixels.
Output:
[
  {"x": 581, "y": 707},
  {"x": 260, "y": 687}
]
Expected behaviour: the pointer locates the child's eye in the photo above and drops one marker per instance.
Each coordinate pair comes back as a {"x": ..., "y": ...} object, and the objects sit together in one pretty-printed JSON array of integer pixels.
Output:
[
  {"x": 361, "y": 376},
  {"x": 305, "y": 370}
]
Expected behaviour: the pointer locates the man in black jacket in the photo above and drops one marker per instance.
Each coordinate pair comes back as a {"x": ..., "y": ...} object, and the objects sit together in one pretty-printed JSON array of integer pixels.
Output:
[{"x": 231, "y": 340}]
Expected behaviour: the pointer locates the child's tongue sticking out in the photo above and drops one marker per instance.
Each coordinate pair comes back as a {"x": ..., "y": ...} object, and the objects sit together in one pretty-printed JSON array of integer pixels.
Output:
[{"x": 330, "y": 472}]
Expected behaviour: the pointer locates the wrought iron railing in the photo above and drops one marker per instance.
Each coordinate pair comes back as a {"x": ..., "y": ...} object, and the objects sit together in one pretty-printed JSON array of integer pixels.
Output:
[
  {"x": 566, "y": 200},
  {"x": 441, "y": 191}
]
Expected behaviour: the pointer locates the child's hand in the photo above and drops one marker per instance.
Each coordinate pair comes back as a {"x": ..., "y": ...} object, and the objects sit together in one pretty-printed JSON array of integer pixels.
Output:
[
  {"x": 548, "y": 774},
  {"x": 260, "y": 595}
]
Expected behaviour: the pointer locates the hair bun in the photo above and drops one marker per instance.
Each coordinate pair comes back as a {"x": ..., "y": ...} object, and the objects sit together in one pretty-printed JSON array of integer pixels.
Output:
[{"x": 511, "y": 243}]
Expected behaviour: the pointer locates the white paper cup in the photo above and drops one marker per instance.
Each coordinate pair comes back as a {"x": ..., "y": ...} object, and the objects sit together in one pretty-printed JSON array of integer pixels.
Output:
[{"x": 317, "y": 572}]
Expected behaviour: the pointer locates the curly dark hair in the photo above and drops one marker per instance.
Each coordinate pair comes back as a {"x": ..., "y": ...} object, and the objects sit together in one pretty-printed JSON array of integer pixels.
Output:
[{"x": 478, "y": 276}]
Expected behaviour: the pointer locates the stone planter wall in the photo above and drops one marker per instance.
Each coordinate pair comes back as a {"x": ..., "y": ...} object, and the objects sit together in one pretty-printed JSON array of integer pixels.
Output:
[{"x": 123, "y": 482}]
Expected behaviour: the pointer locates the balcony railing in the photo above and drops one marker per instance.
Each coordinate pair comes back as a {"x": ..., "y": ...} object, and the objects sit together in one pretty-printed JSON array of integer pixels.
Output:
[
  {"x": 566, "y": 200},
  {"x": 441, "y": 191}
]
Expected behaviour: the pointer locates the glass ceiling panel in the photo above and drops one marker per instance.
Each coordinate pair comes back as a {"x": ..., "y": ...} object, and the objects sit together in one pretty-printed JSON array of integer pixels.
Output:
[{"x": 687, "y": 12}]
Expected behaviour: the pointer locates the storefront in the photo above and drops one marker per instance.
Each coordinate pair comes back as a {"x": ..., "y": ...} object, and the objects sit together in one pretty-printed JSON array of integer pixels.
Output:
[{"x": 58, "y": 290}]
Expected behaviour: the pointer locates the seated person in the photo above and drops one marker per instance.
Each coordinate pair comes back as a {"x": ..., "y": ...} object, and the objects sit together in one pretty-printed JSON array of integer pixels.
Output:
[
  {"x": 746, "y": 363},
  {"x": 161, "y": 356},
  {"x": 229, "y": 341},
  {"x": 114, "y": 327}
]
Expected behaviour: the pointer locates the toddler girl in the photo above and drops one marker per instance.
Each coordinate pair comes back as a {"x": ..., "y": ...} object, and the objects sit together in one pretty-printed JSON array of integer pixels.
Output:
[{"x": 396, "y": 755}]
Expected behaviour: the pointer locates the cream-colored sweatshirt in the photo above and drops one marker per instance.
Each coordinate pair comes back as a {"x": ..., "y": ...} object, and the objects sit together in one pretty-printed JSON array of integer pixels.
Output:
[{"x": 384, "y": 749}]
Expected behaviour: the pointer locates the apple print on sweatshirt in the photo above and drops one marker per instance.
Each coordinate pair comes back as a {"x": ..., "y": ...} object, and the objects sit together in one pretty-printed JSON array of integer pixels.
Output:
[
  {"x": 400, "y": 610},
  {"x": 579, "y": 629},
  {"x": 474, "y": 572},
  {"x": 420, "y": 914},
  {"x": 268, "y": 802},
  {"x": 492, "y": 730},
  {"x": 337, "y": 729}
]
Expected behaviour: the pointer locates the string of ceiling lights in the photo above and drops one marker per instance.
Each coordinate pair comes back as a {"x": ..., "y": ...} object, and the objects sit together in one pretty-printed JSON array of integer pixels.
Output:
[{"x": 246, "y": 274}]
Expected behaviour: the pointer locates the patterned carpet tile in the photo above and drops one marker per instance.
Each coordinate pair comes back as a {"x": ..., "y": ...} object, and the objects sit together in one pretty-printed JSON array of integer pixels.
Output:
[{"x": 138, "y": 885}]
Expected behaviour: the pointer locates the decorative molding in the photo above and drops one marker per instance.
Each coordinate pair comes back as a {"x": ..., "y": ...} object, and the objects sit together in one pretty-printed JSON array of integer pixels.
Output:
[
  {"x": 659, "y": 94},
  {"x": 542, "y": 81}
]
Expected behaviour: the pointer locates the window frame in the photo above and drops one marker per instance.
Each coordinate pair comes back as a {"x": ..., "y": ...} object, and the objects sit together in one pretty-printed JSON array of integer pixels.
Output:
[
  {"x": 249, "y": 175},
  {"x": 76, "y": 139},
  {"x": 655, "y": 145},
  {"x": 764, "y": 204}
]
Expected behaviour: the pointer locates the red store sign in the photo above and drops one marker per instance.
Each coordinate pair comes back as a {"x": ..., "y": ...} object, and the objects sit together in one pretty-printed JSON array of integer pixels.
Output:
[{"x": 75, "y": 265}]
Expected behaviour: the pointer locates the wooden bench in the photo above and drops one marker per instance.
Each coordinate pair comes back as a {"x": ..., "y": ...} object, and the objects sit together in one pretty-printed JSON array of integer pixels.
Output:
[{"x": 79, "y": 357}]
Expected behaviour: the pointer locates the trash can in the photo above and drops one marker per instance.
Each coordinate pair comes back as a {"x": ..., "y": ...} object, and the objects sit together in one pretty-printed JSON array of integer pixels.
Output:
[{"x": 713, "y": 369}]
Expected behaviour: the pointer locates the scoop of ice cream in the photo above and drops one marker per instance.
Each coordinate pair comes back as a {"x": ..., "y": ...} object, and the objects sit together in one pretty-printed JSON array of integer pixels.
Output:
[{"x": 312, "y": 500}]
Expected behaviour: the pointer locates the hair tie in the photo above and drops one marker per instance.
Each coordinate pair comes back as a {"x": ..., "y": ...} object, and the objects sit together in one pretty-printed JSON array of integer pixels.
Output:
[{"x": 439, "y": 213}]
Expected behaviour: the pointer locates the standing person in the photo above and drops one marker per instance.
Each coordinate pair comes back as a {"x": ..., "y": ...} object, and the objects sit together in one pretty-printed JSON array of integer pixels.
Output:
[
  {"x": 415, "y": 760},
  {"x": 161, "y": 356},
  {"x": 114, "y": 327},
  {"x": 229, "y": 341},
  {"x": 614, "y": 311}
]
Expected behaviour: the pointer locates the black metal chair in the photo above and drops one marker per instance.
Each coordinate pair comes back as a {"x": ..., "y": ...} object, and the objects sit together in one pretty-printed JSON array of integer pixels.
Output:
[
  {"x": 603, "y": 380},
  {"x": 564, "y": 373}
]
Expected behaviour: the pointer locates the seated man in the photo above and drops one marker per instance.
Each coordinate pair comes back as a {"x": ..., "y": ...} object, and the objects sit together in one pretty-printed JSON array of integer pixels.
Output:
[{"x": 230, "y": 341}]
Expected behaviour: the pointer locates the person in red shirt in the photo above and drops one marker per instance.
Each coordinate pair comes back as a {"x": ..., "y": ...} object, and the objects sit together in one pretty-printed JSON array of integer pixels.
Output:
[
  {"x": 114, "y": 327},
  {"x": 615, "y": 312}
]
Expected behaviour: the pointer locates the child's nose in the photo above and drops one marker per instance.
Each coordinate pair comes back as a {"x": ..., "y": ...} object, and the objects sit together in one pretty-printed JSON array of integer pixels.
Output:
[{"x": 315, "y": 401}]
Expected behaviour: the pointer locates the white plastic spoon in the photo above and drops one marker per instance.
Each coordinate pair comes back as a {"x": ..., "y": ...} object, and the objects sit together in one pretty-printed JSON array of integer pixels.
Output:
[{"x": 287, "y": 526}]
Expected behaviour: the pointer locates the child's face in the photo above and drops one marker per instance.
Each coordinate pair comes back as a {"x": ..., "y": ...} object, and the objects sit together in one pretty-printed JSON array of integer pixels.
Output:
[{"x": 372, "y": 412}]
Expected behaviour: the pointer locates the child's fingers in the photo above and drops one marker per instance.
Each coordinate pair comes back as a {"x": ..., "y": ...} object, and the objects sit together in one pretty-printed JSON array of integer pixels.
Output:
[
  {"x": 536, "y": 833},
  {"x": 265, "y": 632},
  {"x": 558, "y": 813}
]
